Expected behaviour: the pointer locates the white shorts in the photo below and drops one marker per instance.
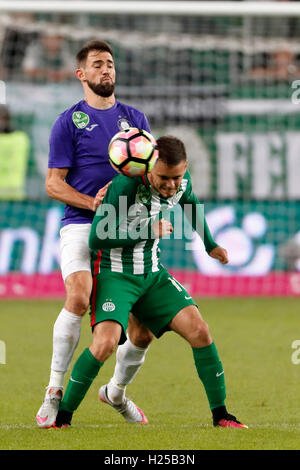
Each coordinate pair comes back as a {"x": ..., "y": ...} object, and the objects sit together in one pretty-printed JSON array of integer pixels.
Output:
[{"x": 74, "y": 249}]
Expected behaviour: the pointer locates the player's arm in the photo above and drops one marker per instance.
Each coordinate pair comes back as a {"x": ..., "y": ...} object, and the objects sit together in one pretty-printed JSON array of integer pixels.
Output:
[
  {"x": 196, "y": 217},
  {"x": 110, "y": 227},
  {"x": 60, "y": 161},
  {"x": 116, "y": 238},
  {"x": 57, "y": 188},
  {"x": 106, "y": 230}
]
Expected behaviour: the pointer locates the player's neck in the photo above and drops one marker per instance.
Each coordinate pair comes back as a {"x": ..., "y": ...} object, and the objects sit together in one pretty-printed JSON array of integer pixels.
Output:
[
  {"x": 151, "y": 182},
  {"x": 99, "y": 102}
]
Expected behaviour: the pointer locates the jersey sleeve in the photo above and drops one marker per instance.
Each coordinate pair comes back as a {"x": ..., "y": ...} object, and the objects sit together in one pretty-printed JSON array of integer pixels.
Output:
[
  {"x": 110, "y": 228},
  {"x": 194, "y": 212},
  {"x": 61, "y": 145},
  {"x": 145, "y": 124}
]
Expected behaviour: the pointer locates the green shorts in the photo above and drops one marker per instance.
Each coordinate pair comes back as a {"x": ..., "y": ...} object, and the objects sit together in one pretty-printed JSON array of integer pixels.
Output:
[{"x": 153, "y": 298}]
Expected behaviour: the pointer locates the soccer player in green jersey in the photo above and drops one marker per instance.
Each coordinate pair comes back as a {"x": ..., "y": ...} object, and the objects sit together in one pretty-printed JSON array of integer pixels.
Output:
[{"x": 128, "y": 277}]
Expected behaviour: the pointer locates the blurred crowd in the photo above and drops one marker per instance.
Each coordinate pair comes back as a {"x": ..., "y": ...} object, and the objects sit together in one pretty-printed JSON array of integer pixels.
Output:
[{"x": 44, "y": 57}]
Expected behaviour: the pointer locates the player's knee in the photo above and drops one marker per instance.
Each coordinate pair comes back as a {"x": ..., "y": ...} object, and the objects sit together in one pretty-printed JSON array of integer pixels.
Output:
[
  {"x": 77, "y": 302},
  {"x": 141, "y": 338},
  {"x": 200, "y": 336},
  {"x": 103, "y": 348},
  {"x": 138, "y": 333}
]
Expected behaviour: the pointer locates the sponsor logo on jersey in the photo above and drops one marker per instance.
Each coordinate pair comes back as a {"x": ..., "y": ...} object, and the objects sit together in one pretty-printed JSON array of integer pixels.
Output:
[
  {"x": 80, "y": 119},
  {"x": 108, "y": 306},
  {"x": 123, "y": 124}
]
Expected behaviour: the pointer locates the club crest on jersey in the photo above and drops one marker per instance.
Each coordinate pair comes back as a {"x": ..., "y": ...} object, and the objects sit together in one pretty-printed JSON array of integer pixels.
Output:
[
  {"x": 123, "y": 124},
  {"x": 143, "y": 194},
  {"x": 108, "y": 306},
  {"x": 80, "y": 119}
]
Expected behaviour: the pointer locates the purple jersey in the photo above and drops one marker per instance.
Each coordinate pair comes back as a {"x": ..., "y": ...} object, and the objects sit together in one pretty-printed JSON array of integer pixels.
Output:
[{"x": 79, "y": 141}]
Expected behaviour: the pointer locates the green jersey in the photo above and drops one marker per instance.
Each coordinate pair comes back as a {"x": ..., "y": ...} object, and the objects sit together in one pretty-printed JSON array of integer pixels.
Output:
[{"x": 121, "y": 238}]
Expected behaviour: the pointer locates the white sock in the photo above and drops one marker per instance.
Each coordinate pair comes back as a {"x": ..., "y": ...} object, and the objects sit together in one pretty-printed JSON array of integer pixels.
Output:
[
  {"x": 129, "y": 359},
  {"x": 56, "y": 379},
  {"x": 66, "y": 334},
  {"x": 115, "y": 392}
]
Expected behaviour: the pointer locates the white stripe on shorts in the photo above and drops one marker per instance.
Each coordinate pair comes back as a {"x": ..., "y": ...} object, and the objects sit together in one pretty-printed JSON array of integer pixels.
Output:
[{"x": 116, "y": 260}]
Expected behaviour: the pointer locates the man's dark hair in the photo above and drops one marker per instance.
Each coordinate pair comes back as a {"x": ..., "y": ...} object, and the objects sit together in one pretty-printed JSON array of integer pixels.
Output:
[
  {"x": 94, "y": 45},
  {"x": 171, "y": 150}
]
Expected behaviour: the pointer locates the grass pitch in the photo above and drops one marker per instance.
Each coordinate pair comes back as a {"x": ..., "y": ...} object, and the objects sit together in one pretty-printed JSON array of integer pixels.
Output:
[{"x": 253, "y": 336}]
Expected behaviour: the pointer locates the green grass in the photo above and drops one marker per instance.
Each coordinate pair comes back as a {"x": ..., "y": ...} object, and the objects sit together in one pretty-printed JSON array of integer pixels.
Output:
[{"x": 253, "y": 336}]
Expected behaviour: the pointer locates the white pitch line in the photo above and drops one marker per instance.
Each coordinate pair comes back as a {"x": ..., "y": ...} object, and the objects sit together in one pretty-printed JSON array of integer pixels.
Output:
[{"x": 7, "y": 427}]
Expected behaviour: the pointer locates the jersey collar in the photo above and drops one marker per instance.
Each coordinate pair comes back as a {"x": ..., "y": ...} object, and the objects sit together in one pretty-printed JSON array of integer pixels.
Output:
[
  {"x": 147, "y": 184},
  {"x": 146, "y": 181}
]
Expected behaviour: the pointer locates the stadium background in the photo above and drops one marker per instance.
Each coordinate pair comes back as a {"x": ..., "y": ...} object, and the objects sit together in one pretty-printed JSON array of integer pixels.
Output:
[{"x": 196, "y": 76}]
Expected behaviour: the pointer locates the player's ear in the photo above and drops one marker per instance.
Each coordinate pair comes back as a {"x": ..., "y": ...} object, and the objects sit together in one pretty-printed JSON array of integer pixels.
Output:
[{"x": 80, "y": 74}]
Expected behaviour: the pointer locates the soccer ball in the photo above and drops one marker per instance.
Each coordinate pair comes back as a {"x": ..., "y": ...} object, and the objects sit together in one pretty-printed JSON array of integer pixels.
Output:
[{"x": 133, "y": 152}]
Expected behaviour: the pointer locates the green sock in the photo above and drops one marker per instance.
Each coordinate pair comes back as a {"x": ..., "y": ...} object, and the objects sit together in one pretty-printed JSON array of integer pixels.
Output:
[
  {"x": 84, "y": 371},
  {"x": 211, "y": 373}
]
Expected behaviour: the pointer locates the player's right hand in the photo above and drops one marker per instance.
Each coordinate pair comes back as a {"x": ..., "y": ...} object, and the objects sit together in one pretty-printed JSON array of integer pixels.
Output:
[
  {"x": 220, "y": 254},
  {"x": 161, "y": 228},
  {"x": 100, "y": 196}
]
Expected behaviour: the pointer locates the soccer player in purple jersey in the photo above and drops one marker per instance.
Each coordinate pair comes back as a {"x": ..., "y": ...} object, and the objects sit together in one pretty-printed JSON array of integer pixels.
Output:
[{"x": 78, "y": 167}]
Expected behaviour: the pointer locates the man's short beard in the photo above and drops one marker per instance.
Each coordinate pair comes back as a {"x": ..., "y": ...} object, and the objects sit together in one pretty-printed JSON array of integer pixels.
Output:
[{"x": 104, "y": 90}]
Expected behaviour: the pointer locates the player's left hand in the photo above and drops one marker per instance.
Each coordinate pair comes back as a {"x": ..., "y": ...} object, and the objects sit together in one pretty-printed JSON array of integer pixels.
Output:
[
  {"x": 220, "y": 254},
  {"x": 100, "y": 196}
]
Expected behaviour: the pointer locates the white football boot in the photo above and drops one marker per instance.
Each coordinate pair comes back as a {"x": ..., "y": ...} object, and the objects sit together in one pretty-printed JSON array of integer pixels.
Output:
[
  {"x": 130, "y": 412},
  {"x": 46, "y": 415}
]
